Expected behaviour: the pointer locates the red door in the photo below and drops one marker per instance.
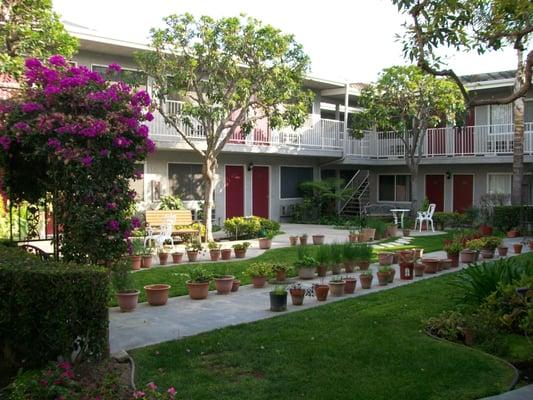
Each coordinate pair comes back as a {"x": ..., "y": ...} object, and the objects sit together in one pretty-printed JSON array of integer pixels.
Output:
[
  {"x": 463, "y": 192},
  {"x": 260, "y": 189},
  {"x": 435, "y": 190},
  {"x": 234, "y": 191}
]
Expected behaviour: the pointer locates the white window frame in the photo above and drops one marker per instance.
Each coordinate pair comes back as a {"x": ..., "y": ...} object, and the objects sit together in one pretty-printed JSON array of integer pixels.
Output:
[{"x": 509, "y": 174}]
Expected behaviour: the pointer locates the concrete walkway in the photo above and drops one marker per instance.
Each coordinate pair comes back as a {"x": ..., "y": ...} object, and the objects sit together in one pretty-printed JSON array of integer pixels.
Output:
[
  {"x": 524, "y": 393},
  {"x": 185, "y": 317}
]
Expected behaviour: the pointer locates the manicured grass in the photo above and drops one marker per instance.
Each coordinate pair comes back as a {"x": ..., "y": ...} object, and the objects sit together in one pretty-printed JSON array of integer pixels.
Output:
[
  {"x": 371, "y": 347},
  {"x": 428, "y": 243}
]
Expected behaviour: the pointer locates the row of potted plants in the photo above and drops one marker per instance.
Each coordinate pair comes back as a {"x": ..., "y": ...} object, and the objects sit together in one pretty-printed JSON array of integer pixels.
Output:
[
  {"x": 303, "y": 239},
  {"x": 468, "y": 249}
]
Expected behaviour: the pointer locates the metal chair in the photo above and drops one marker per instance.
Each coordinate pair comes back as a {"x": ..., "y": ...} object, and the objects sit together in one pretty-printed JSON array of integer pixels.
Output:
[{"x": 164, "y": 234}]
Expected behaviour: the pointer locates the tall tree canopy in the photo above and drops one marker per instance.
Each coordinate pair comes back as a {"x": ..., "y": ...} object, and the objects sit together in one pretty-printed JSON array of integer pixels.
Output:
[
  {"x": 230, "y": 73},
  {"x": 475, "y": 25},
  {"x": 406, "y": 100}
]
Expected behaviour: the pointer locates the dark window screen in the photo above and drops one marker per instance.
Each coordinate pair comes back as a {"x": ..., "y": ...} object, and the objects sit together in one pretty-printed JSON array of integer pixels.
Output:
[
  {"x": 185, "y": 181},
  {"x": 386, "y": 188},
  {"x": 291, "y": 177}
]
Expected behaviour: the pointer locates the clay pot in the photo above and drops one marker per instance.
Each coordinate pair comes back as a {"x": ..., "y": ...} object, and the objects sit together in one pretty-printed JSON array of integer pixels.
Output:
[
  {"x": 303, "y": 240},
  {"x": 336, "y": 288},
  {"x": 297, "y": 296},
  {"x": 265, "y": 243},
  {"x": 392, "y": 273},
  {"x": 406, "y": 270},
  {"x": 485, "y": 230},
  {"x": 259, "y": 281},
  {"x": 517, "y": 248},
  {"x": 369, "y": 234},
  {"x": 336, "y": 269},
  {"x": 432, "y": 265},
  {"x": 127, "y": 301},
  {"x": 454, "y": 258},
  {"x": 366, "y": 281},
  {"x": 293, "y": 240},
  {"x": 321, "y": 270},
  {"x": 419, "y": 269},
  {"x": 487, "y": 254},
  {"x": 177, "y": 257},
  {"x": 502, "y": 251},
  {"x": 278, "y": 302},
  {"x": 513, "y": 233},
  {"x": 146, "y": 261},
  {"x": 349, "y": 285},
  {"x": 353, "y": 237},
  {"x": 163, "y": 257},
  {"x": 318, "y": 239},
  {"x": 192, "y": 255},
  {"x": 383, "y": 278},
  {"x": 406, "y": 232},
  {"x": 467, "y": 256},
  {"x": 198, "y": 290},
  {"x": 306, "y": 273},
  {"x": 446, "y": 263},
  {"x": 348, "y": 266},
  {"x": 363, "y": 265},
  {"x": 224, "y": 284},
  {"x": 385, "y": 258},
  {"x": 136, "y": 262},
  {"x": 392, "y": 231},
  {"x": 321, "y": 292},
  {"x": 240, "y": 253},
  {"x": 214, "y": 254},
  {"x": 235, "y": 286},
  {"x": 226, "y": 254},
  {"x": 157, "y": 294},
  {"x": 281, "y": 276}
]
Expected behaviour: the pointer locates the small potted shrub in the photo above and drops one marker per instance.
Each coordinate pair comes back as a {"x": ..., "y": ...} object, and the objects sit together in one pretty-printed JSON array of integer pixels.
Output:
[
  {"x": 513, "y": 232},
  {"x": 266, "y": 241},
  {"x": 240, "y": 249},
  {"x": 406, "y": 232},
  {"x": 350, "y": 254},
  {"x": 298, "y": 293},
  {"x": 364, "y": 255},
  {"x": 137, "y": 250},
  {"x": 303, "y": 239},
  {"x": 469, "y": 253},
  {"x": 259, "y": 272},
  {"x": 475, "y": 245},
  {"x": 392, "y": 230},
  {"x": 198, "y": 283},
  {"x": 193, "y": 248},
  {"x": 368, "y": 234},
  {"x": 318, "y": 239},
  {"x": 163, "y": 256},
  {"x": 353, "y": 236},
  {"x": 322, "y": 258},
  {"x": 453, "y": 249},
  {"x": 490, "y": 243},
  {"x": 278, "y": 299},
  {"x": 157, "y": 294},
  {"x": 214, "y": 250},
  {"x": 383, "y": 275},
  {"x": 502, "y": 250},
  {"x": 349, "y": 284},
  {"x": 335, "y": 260},
  {"x": 385, "y": 258},
  {"x": 127, "y": 297},
  {"x": 432, "y": 265},
  {"x": 306, "y": 267},
  {"x": 281, "y": 271},
  {"x": 177, "y": 256},
  {"x": 147, "y": 256},
  {"x": 226, "y": 254},
  {"x": 336, "y": 286},
  {"x": 366, "y": 277},
  {"x": 224, "y": 283},
  {"x": 293, "y": 240},
  {"x": 321, "y": 291},
  {"x": 517, "y": 248}
]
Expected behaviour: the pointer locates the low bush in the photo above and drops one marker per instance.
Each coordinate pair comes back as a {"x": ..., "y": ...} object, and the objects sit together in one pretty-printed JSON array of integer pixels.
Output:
[
  {"x": 249, "y": 227},
  {"x": 509, "y": 217},
  {"x": 50, "y": 309},
  {"x": 451, "y": 219}
]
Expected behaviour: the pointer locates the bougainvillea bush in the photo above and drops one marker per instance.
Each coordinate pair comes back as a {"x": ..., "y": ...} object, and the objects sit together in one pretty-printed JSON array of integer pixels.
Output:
[{"x": 77, "y": 137}]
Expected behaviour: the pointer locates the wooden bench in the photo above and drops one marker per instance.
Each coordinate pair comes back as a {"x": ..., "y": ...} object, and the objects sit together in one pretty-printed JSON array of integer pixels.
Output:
[{"x": 155, "y": 219}]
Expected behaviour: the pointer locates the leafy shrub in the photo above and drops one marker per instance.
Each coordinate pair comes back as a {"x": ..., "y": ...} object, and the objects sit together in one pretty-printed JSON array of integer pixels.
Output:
[
  {"x": 508, "y": 217},
  {"x": 49, "y": 309},
  {"x": 259, "y": 269},
  {"x": 319, "y": 200},
  {"x": 171, "y": 203},
  {"x": 249, "y": 227},
  {"x": 378, "y": 224},
  {"x": 451, "y": 219},
  {"x": 449, "y": 325}
]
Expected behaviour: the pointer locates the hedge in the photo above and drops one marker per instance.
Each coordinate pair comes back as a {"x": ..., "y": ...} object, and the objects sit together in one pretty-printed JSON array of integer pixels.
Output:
[
  {"x": 508, "y": 217},
  {"x": 49, "y": 309},
  {"x": 249, "y": 227}
]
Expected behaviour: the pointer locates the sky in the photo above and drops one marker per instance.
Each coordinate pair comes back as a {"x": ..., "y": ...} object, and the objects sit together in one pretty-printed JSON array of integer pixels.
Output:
[{"x": 347, "y": 40}]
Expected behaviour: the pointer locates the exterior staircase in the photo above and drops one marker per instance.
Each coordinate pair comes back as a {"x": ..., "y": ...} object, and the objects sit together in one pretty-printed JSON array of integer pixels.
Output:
[{"x": 358, "y": 187}]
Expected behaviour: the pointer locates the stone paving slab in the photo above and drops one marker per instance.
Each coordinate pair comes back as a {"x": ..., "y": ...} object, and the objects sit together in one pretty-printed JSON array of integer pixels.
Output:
[
  {"x": 182, "y": 316},
  {"x": 524, "y": 393}
]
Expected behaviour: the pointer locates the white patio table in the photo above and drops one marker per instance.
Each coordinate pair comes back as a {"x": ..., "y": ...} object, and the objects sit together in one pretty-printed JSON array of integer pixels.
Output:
[{"x": 401, "y": 211}]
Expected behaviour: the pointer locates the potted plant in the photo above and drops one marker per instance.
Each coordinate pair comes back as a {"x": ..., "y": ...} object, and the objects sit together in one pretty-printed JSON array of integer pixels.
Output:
[
  {"x": 281, "y": 271},
  {"x": 198, "y": 283},
  {"x": 392, "y": 273},
  {"x": 147, "y": 256},
  {"x": 306, "y": 267},
  {"x": 446, "y": 263},
  {"x": 350, "y": 254},
  {"x": 226, "y": 254},
  {"x": 236, "y": 284},
  {"x": 224, "y": 283},
  {"x": 475, "y": 245},
  {"x": 365, "y": 277},
  {"x": 530, "y": 244},
  {"x": 259, "y": 272},
  {"x": 303, "y": 239},
  {"x": 163, "y": 255},
  {"x": 336, "y": 286},
  {"x": 368, "y": 234},
  {"x": 490, "y": 243},
  {"x": 407, "y": 264},
  {"x": 385, "y": 258},
  {"x": 364, "y": 255},
  {"x": 240, "y": 249},
  {"x": 193, "y": 248},
  {"x": 392, "y": 230},
  {"x": 321, "y": 291},
  {"x": 214, "y": 250},
  {"x": 318, "y": 239},
  {"x": 406, "y": 232},
  {"x": 353, "y": 236},
  {"x": 157, "y": 294},
  {"x": 432, "y": 265},
  {"x": 349, "y": 284},
  {"x": 293, "y": 240},
  {"x": 127, "y": 297},
  {"x": 177, "y": 256},
  {"x": 322, "y": 258},
  {"x": 502, "y": 250},
  {"x": 383, "y": 275},
  {"x": 517, "y": 247},
  {"x": 419, "y": 269},
  {"x": 513, "y": 232},
  {"x": 453, "y": 249},
  {"x": 278, "y": 299},
  {"x": 298, "y": 293},
  {"x": 485, "y": 230},
  {"x": 266, "y": 241},
  {"x": 137, "y": 250},
  {"x": 335, "y": 260}
]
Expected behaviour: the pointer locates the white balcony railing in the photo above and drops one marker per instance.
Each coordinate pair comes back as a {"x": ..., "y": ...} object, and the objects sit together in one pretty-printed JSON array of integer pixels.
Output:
[{"x": 327, "y": 135}]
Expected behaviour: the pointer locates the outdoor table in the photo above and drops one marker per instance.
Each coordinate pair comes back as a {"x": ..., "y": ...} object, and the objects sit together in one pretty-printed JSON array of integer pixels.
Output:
[{"x": 402, "y": 212}]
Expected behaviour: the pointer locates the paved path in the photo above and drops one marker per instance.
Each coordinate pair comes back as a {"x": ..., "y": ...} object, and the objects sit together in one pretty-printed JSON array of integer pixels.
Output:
[
  {"x": 185, "y": 317},
  {"x": 524, "y": 393}
]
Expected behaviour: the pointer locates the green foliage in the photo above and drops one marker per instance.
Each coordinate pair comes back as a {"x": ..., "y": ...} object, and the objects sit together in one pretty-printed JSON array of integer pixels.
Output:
[
  {"x": 451, "y": 219},
  {"x": 378, "y": 224},
  {"x": 250, "y": 227},
  {"x": 475, "y": 244},
  {"x": 279, "y": 290},
  {"x": 364, "y": 252},
  {"x": 336, "y": 253},
  {"x": 137, "y": 246},
  {"x": 306, "y": 262},
  {"x": 121, "y": 277},
  {"x": 281, "y": 267},
  {"x": 449, "y": 325},
  {"x": 20, "y": 226},
  {"x": 319, "y": 200},
  {"x": 509, "y": 217},
  {"x": 454, "y": 247},
  {"x": 171, "y": 203},
  {"x": 30, "y": 28},
  {"x": 241, "y": 246},
  {"x": 491, "y": 242},
  {"x": 213, "y": 246},
  {"x": 259, "y": 269},
  {"x": 350, "y": 251},
  {"x": 46, "y": 307},
  {"x": 199, "y": 275},
  {"x": 322, "y": 254},
  {"x": 193, "y": 245}
]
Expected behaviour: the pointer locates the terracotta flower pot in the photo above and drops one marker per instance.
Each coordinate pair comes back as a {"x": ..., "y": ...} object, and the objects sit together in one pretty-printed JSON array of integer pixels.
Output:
[
  {"x": 336, "y": 269},
  {"x": 383, "y": 278},
  {"x": 406, "y": 256},
  {"x": 530, "y": 244},
  {"x": 293, "y": 240},
  {"x": 297, "y": 296},
  {"x": 146, "y": 261},
  {"x": 467, "y": 256},
  {"x": 259, "y": 281},
  {"x": 336, "y": 288},
  {"x": 163, "y": 257},
  {"x": 278, "y": 302},
  {"x": 517, "y": 247},
  {"x": 502, "y": 251},
  {"x": 157, "y": 294},
  {"x": 226, "y": 254},
  {"x": 353, "y": 237},
  {"x": 392, "y": 273},
  {"x": 454, "y": 258},
  {"x": 192, "y": 255},
  {"x": 235, "y": 286},
  {"x": 318, "y": 239},
  {"x": 303, "y": 240},
  {"x": 281, "y": 276},
  {"x": 177, "y": 257},
  {"x": 487, "y": 253},
  {"x": 224, "y": 284},
  {"x": 363, "y": 265},
  {"x": 446, "y": 263},
  {"x": 136, "y": 262},
  {"x": 265, "y": 243},
  {"x": 385, "y": 258},
  {"x": 198, "y": 290},
  {"x": 306, "y": 273},
  {"x": 321, "y": 292},
  {"x": 485, "y": 230},
  {"x": 127, "y": 301},
  {"x": 406, "y": 232},
  {"x": 240, "y": 253},
  {"x": 366, "y": 281},
  {"x": 321, "y": 270},
  {"x": 419, "y": 269},
  {"x": 432, "y": 265},
  {"x": 349, "y": 285},
  {"x": 349, "y": 266},
  {"x": 513, "y": 233},
  {"x": 392, "y": 231},
  {"x": 214, "y": 254},
  {"x": 369, "y": 234},
  {"x": 406, "y": 270}
]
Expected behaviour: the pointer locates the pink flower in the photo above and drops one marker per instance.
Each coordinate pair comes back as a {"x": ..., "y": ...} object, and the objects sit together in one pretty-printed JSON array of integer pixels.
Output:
[
  {"x": 32, "y": 63},
  {"x": 55, "y": 143},
  {"x": 57, "y": 60},
  {"x": 31, "y": 107},
  {"x": 152, "y": 386},
  {"x": 104, "y": 152},
  {"x": 141, "y": 97},
  {"x": 135, "y": 222},
  {"x": 113, "y": 225},
  {"x": 111, "y": 206},
  {"x": 171, "y": 391},
  {"x": 5, "y": 142},
  {"x": 64, "y": 365},
  {"x": 22, "y": 126},
  {"x": 114, "y": 67},
  {"x": 143, "y": 131},
  {"x": 87, "y": 161},
  {"x": 149, "y": 116},
  {"x": 138, "y": 394},
  {"x": 150, "y": 146}
]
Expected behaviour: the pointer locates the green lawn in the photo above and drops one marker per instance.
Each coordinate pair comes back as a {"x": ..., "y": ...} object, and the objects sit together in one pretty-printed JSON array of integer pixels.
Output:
[{"x": 371, "y": 347}]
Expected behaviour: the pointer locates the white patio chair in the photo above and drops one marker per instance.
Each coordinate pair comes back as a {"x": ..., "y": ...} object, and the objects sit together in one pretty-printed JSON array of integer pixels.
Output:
[
  {"x": 425, "y": 216},
  {"x": 164, "y": 234}
]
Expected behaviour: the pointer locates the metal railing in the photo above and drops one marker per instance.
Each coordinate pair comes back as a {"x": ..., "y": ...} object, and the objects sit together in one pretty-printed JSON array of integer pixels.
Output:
[{"x": 357, "y": 186}]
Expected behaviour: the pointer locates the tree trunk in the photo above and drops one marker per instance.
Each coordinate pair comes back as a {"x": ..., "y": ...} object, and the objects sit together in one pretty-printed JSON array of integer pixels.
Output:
[
  {"x": 518, "y": 137},
  {"x": 208, "y": 171},
  {"x": 413, "y": 169}
]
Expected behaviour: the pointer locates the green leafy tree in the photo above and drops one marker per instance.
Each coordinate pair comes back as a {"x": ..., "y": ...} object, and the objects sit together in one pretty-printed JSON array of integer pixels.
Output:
[
  {"x": 29, "y": 28},
  {"x": 407, "y": 101},
  {"x": 481, "y": 26},
  {"x": 230, "y": 72}
]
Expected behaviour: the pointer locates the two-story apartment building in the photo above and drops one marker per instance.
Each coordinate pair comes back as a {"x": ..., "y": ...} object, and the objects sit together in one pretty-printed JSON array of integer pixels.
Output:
[{"x": 259, "y": 174}]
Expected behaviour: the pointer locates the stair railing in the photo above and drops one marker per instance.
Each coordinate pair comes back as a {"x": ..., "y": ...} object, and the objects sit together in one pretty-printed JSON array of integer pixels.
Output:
[{"x": 354, "y": 186}]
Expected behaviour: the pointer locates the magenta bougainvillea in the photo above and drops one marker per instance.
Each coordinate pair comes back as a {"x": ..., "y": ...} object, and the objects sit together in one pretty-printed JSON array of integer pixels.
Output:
[{"x": 73, "y": 134}]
